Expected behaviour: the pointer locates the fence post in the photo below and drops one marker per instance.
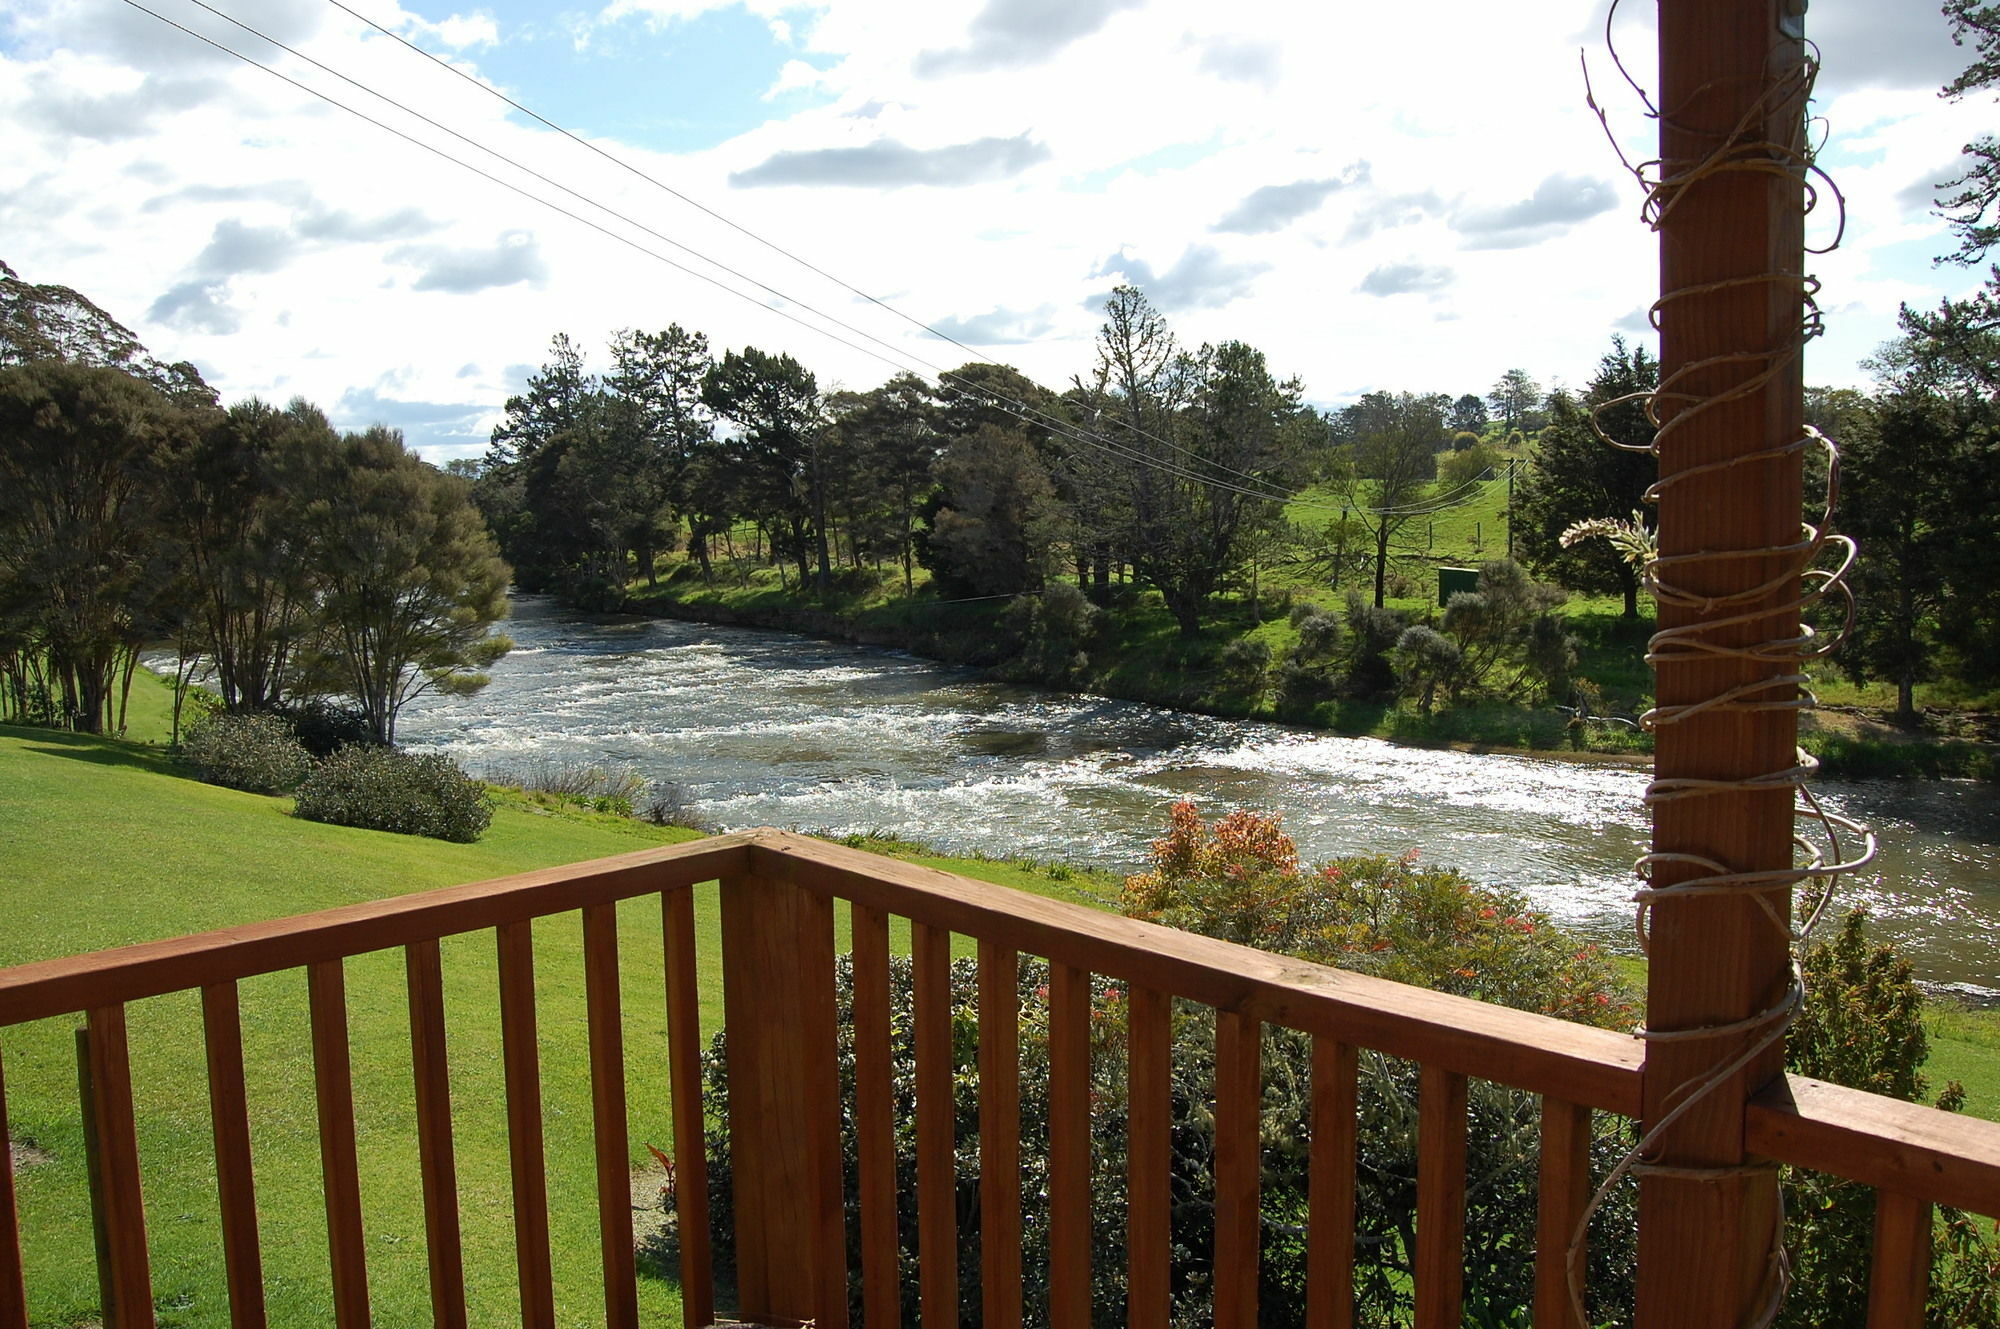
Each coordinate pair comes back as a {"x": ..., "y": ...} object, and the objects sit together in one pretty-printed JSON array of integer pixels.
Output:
[{"x": 784, "y": 1103}]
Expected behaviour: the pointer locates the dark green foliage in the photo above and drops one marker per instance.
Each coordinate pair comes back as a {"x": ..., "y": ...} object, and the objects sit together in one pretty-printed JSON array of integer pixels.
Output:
[
  {"x": 1055, "y": 630},
  {"x": 254, "y": 752},
  {"x": 1576, "y": 476},
  {"x": 993, "y": 528},
  {"x": 324, "y": 725},
  {"x": 1426, "y": 661},
  {"x": 382, "y": 789},
  {"x": 1862, "y": 1026}
]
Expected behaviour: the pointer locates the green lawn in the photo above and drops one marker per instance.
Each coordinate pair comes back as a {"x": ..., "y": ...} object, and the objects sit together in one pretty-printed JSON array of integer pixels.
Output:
[{"x": 102, "y": 843}]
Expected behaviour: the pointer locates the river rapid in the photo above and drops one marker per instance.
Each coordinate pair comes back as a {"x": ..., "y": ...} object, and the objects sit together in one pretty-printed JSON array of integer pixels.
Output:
[{"x": 762, "y": 728}]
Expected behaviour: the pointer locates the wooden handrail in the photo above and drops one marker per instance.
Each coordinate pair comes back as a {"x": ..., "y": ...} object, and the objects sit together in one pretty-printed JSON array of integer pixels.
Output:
[
  {"x": 779, "y": 891},
  {"x": 153, "y": 968},
  {"x": 1883, "y": 1142},
  {"x": 1573, "y": 1062}
]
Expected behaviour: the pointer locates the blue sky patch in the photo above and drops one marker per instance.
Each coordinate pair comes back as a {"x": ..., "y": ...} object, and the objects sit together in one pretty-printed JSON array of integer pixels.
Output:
[{"x": 679, "y": 87}]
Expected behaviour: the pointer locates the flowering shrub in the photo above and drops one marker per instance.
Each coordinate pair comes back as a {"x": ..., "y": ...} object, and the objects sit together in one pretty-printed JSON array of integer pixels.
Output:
[{"x": 1395, "y": 917}]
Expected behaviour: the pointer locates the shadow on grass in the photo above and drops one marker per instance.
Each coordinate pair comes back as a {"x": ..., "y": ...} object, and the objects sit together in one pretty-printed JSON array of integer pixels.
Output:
[{"x": 93, "y": 748}]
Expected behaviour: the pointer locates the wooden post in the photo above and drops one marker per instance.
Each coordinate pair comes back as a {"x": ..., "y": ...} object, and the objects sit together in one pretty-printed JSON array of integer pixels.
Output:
[
  {"x": 1730, "y": 252},
  {"x": 784, "y": 1103}
]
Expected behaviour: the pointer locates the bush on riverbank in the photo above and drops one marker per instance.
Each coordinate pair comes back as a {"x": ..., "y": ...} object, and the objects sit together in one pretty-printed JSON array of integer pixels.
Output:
[
  {"x": 258, "y": 754},
  {"x": 382, "y": 789}
]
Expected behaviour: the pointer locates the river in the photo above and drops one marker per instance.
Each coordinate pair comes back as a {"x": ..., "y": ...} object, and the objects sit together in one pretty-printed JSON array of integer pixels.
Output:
[{"x": 762, "y": 728}]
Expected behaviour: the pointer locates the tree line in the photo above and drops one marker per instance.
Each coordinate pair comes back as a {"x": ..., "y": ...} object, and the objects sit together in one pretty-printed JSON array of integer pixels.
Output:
[
  {"x": 300, "y": 565},
  {"x": 1166, "y": 464}
]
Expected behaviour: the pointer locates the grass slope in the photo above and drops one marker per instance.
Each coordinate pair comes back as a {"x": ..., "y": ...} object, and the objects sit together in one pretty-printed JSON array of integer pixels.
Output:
[{"x": 102, "y": 844}]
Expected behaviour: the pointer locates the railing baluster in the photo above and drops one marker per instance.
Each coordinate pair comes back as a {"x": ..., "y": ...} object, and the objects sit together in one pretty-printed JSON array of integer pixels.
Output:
[
  {"x": 1069, "y": 1147},
  {"x": 604, "y": 1017},
  {"x": 1149, "y": 1226},
  {"x": 522, "y": 1062},
  {"x": 333, "y": 1087},
  {"x": 999, "y": 1137},
  {"x": 875, "y": 1121},
  {"x": 423, "y": 968},
  {"x": 125, "y": 1275},
  {"x": 1899, "y": 1278},
  {"x": 1238, "y": 1096},
  {"x": 1565, "y": 1192},
  {"x": 1440, "y": 1272},
  {"x": 236, "y": 1188},
  {"x": 13, "y": 1279},
  {"x": 1330, "y": 1187},
  {"x": 937, "y": 1200},
  {"x": 690, "y": 1140}
]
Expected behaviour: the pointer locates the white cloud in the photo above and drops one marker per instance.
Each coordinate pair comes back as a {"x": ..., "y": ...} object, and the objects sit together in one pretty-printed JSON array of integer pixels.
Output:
[{"x": 282, "y": 244}]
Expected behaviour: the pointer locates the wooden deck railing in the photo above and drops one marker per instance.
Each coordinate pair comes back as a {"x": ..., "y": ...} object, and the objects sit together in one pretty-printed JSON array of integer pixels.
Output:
[{"x": 777, "y": 921}]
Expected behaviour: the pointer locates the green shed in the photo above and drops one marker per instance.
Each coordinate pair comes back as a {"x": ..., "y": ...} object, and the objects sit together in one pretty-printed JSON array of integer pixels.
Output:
[{"x": 1453, "y": 580}]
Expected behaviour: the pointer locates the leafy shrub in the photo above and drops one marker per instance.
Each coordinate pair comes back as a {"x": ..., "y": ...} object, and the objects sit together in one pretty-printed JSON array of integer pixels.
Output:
[
  {"x": 382, "y": 789},
  {"x": 254, "y": 752},
  {"x": 1862, "y": 1026},
  {"x": 1253, "y": 881},
  {"x": 1246, "y": 657},
  {"x": 325, "y": 725},
  {"x": 1372, "y": 633}
]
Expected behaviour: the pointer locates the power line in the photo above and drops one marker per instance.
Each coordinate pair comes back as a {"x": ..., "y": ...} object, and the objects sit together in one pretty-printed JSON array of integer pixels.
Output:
[
  {"x": 1025, "y": 412},
  {"x": 745, "y": 231}
]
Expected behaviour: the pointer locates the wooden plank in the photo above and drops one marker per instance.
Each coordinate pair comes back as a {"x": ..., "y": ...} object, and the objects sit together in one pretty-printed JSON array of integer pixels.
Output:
[
  {"x": 333, "y": 1093},
  {"x": 1330, "y": 1186},
  {"x": 604, "y": 1022},
  {"x": 1574, "y": 1062},
  {"x": 1899, "y": 1274},
  {"x": 235, "y": 1184},
  {"x": 684, "y": 1049},
  {"x": 1730, "y": 258},
  {"x": 937, "y": 1182},
  {"x": 875, "y": 1123},
  {"x": 127, "y": 973},
  {"x": 777, "y": 977},
  {"x": 999, "y": 1137},
  {"x": 1564, "y": 1193},
  {"x": 527, "y": 1164},
  {"x": 1946, "y": 1157},
  {"x": 13, "y": 1278},
  {"x": 436, "y": 1163},
  {"x": 1238, "y": 1229},
  {"x": 125, "y": 1275},
  {"x": 1149, "y": 1225},
  {"x": 1440, "y": 1271},
  {"x": 1069, "y": 1147}
]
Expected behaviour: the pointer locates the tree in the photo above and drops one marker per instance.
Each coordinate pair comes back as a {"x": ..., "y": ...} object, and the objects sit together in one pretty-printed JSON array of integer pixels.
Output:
[
  {"x": 892, "y": 436},
  {"x": 516, "y": 489},
  {"x": 234, "y": 497},
  {"x": 1392, "y": 458},
  {"x": 86, "y": 567},
  {"x": 1468, "y": 415},
  {"x": 409, "y": 578},
  {"x": 778, "y": 450},
  {"x": 1197, "y": 442},
  {"x": 1900, "y": 461},
  {"x": 991, "y": 533},
  {"x": 661, "y": 423},
  {"x": 1575, "y": 476},
  {"x": 48, "y": 322},
  {"x": 1513, "y": 396}
]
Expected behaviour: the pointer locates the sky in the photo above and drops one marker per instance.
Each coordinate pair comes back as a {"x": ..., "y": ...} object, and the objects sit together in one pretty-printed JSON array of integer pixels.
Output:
[{"x": 1378, "y": 198}]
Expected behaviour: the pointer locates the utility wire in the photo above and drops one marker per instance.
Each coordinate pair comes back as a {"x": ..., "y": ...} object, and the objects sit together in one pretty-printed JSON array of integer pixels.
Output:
[
  {"x": 745, "y": 231},
  {"x": 1025, "y": 412}
]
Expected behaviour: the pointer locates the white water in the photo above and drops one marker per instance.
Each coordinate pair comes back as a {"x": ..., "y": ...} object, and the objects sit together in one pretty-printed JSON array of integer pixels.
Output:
[{"x": 767, "y": 729}]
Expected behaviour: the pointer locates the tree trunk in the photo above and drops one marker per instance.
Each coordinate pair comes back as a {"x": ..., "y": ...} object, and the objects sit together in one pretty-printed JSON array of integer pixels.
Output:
[{"x": 1381, "y": 564}]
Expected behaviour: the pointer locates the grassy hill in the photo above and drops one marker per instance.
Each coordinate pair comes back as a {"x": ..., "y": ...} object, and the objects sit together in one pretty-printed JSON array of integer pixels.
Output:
[{"x": 103, "y": 843}]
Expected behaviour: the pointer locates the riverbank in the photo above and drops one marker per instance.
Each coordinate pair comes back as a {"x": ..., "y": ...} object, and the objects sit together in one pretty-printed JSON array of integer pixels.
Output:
[{"x": 1145, "y": 661}]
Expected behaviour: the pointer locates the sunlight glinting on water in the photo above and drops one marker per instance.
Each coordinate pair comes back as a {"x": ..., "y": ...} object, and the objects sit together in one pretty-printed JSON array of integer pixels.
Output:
[{"x": 765, "y": 729}]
